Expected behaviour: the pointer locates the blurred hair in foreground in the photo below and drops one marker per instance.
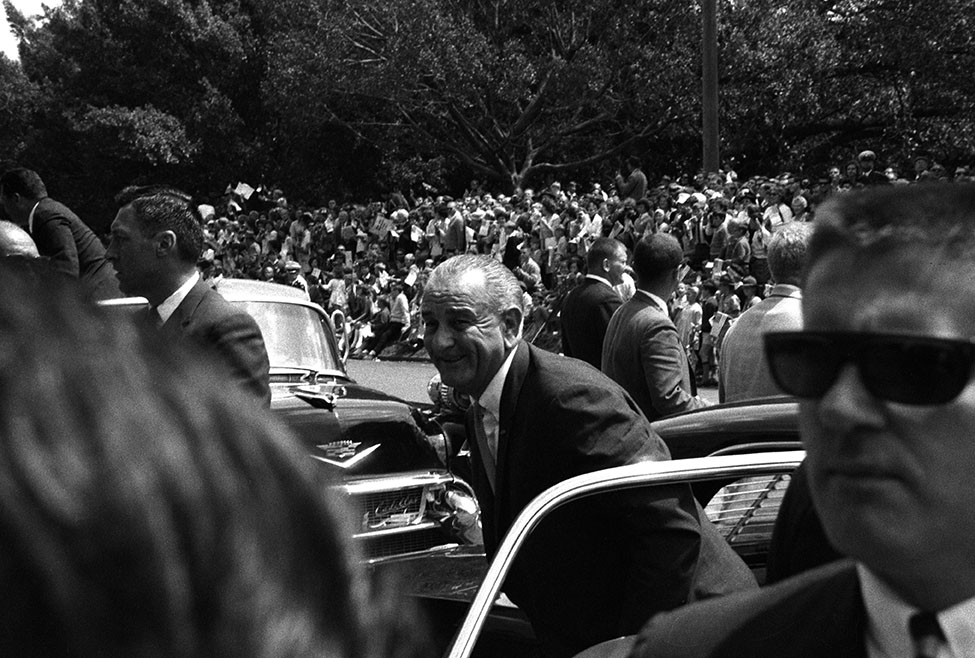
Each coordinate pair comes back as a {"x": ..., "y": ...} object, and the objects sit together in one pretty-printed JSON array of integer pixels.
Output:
[{"x": 146, "y": 510}]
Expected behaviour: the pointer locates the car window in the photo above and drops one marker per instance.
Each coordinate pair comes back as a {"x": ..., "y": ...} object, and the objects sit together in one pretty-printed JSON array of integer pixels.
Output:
[{"x": 295, "y": 336}]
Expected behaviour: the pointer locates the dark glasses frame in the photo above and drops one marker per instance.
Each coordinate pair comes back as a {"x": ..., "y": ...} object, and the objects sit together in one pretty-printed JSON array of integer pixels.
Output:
[{"x": 916, "y": 370}]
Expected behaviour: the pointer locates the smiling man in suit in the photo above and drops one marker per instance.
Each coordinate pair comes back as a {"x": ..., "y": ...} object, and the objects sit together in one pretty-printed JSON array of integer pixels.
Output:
[
  {"x": 885, "y": 373},
  {"x": 591, "y": 572},
  {"x": 156, "y": 241}
]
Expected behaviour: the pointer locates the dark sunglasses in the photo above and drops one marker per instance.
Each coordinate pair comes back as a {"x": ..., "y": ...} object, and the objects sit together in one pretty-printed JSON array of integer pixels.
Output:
[{"x": 905, "y": 369}]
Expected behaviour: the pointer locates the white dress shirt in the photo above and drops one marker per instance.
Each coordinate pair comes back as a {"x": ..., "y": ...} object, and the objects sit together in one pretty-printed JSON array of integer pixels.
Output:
[
  {"x": 658, "y": 301},
  {"x": 490, "y": 402},
  {"x": 171, "y": 303},
  {"x": 30, "y": 218},
  {"x": 888, "y": 616}
]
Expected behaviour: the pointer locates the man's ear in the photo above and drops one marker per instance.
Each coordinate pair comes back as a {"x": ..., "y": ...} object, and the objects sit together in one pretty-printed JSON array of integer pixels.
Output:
[
  {"x": 165, "y": 243},
  {"x": 511, "y": 322}
]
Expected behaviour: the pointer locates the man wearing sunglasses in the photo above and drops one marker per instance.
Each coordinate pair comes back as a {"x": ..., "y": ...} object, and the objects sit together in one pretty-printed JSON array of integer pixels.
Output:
[{"x": 884, "y": 374}]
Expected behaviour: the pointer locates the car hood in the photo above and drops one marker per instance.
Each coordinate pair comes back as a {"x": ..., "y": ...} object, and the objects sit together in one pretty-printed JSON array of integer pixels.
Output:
[{"x": 356, "y": 431}]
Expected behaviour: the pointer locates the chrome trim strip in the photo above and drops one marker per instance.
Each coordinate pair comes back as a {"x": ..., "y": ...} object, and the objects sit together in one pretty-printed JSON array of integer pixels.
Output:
[
  {"x": 394, "y": 483},
  {"x": 386, "y": 532}
]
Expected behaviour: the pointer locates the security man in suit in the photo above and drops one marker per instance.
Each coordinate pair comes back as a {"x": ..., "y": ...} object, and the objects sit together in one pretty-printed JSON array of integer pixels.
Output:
[
  {"x": 589, "y": 306},
  {"x": 885, "y": 373},
  {"x": 642, "y": 351},
  {"x": 156, "y": 242},
  {"x": 59, "y": 234},
  {"x": 591, "y": 572}
]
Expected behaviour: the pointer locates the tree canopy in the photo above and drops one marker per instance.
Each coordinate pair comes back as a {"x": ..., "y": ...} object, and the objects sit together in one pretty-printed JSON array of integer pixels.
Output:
[{"x": 338, "y": 97}]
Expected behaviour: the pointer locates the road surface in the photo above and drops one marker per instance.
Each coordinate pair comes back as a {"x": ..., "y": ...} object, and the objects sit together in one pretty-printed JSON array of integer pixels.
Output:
[{"x": 408, "y": 379}]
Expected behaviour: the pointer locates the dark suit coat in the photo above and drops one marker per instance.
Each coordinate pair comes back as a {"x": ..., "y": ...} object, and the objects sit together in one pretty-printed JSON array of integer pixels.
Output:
[
  {"x": 585, "y": 316},
  {"x": 215, "y": 325},
  {"x": 819, "y": 614},
  {"x": 73, "y": 249},
  {"x": 643, "y": 354},
  {"x": 455, "y": 238},
  {"x": 599, "y": 569}
]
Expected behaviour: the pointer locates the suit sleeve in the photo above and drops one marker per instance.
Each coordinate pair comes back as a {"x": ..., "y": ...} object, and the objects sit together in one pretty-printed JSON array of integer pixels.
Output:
[
  {"x": 239, "y": 340},
  {"x": 664, "y": 363},
  {"x": 658, "y": 528},
  {"x": 55, "y": 240}
]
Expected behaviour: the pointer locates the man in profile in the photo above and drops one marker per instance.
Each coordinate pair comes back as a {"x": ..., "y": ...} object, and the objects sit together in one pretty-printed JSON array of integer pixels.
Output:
[
  {"x": 642, "y": 351},
  {"x": 588, "y": 307},
  {"x": 884, "y": 373},
  {"x": 59, "y": 234},
  {"x": 743, "y": 372},
  {"x": 591, "y": 572},
  {"x": 155, "y": 244}
]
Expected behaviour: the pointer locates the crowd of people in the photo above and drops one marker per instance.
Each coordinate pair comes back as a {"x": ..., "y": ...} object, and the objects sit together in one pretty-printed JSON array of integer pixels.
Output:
[{"x": 370, "y": 260}]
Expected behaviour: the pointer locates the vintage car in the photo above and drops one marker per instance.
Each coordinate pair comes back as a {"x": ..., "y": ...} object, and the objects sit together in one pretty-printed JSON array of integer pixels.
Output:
[
  {"x": 744, "y": 509},
  {"x": 390, "y": 459}
]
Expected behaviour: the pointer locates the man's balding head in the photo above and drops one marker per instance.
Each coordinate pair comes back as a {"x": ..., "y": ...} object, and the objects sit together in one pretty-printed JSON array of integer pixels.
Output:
[{"x": 15, "y": 241}]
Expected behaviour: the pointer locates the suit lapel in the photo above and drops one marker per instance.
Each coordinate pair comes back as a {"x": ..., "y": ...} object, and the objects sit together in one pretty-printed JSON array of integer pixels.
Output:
[
  {"x": 509, "y": 403},
  {"x": 181, "y": 317}
]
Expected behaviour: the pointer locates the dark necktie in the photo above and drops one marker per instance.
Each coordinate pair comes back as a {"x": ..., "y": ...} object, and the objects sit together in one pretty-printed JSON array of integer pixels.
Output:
[
  {"x": 483, "y": 445},
  {"x": 926, "y": 634}
]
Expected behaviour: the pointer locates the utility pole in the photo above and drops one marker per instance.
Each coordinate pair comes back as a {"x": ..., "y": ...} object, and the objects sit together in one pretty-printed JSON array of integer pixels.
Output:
[{"x": 709, "y": 77}]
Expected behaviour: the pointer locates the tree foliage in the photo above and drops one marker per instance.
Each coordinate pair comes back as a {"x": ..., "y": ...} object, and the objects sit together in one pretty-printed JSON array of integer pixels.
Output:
[{"x": 331, "y": 97}]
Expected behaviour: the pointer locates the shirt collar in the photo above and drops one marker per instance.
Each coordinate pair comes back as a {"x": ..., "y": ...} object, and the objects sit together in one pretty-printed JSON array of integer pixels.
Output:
[
  {"x": 490, "y": 399},
  {"x": 30, "y": 218},
  {"x": 888, "y": 616},
  {"x": 596, "y": 277},
  {"x": 658, "y": 301},
  {"x": 171, "y": 303},
  {"x": 786, "y": 290}
]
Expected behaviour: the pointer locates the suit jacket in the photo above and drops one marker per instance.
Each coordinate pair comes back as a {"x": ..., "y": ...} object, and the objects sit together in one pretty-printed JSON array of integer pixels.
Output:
[
  {"x": 585, "y": 316},
  {"x": 599, "y": 568},
  {"x": 743, "y": 371},
  {"x": 818, "y": 614},
  {"x": 73, "y": 249},
  {"x": 455, "y": 238},
  {"x": 643, "y": 354},
  {"x": 211, "y": 322}
]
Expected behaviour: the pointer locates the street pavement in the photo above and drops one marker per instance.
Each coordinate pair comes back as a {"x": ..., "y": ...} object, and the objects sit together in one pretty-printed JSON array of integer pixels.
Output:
[{"x": 408, "y": 379}]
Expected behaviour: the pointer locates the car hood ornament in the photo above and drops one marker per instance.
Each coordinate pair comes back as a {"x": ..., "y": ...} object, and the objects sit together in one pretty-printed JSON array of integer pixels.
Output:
[{"x": 344, "y": 453}]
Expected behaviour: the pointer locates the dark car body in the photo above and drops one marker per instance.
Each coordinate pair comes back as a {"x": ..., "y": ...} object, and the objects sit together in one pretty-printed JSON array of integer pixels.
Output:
[{"x": 388, "y": 458}]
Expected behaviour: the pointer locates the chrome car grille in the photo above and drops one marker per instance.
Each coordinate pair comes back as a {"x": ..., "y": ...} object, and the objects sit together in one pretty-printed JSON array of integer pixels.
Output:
[
  {"x": 389, "y": 509},
  {"x": 374, "y": 547}
]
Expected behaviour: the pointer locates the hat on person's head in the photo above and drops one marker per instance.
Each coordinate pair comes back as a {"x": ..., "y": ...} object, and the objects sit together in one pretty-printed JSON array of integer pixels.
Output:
[
  {"x": 292, "y": 266},
  {"x": 749, "y": 281},
  {"x": 867, "y": 156},
  {"x": 683, "y": 198},
  {"x": 727, "y": 279}
]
